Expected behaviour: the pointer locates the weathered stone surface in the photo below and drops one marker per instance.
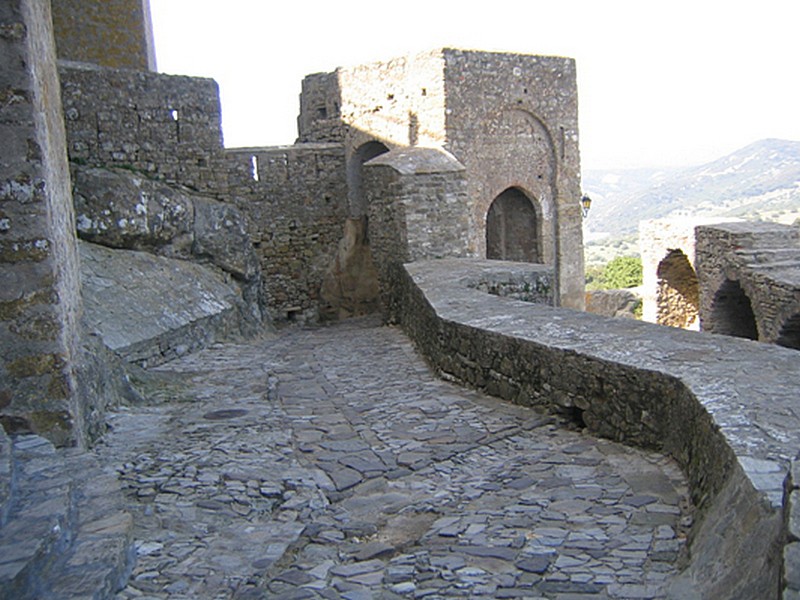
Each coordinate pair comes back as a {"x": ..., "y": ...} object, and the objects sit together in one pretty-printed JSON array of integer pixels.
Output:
[
  {"x": 357, "y": 390},
  {"x": 612, "y": 303},
  {"x": 150, "y": 309},
  {"x": 350, "y": 287},
  {"x": 295, "y": 199},
  {"x": 40, "y": 302},
  {"x": 120, "y": 31},
  {"x": 220, "y": 233},
  {"x": 121, "y": 209}
]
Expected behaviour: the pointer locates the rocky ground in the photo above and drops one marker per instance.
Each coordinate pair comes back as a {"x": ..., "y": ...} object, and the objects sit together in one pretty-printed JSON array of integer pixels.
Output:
[{"x": 332, "y": 463}]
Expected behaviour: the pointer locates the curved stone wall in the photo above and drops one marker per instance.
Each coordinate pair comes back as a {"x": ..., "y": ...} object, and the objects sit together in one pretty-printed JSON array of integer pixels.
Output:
[{"x": 722, "y": 407}]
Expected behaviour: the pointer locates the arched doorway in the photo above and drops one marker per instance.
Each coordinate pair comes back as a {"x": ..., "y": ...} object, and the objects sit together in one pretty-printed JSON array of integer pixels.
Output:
[
  {"x": 678, "y": 294},
  {"x": 732, "y": 313},
  {"x": 790, "y": 333},
  {"x": 363, "y": 154},
  {"x": 512, "y": 228}
]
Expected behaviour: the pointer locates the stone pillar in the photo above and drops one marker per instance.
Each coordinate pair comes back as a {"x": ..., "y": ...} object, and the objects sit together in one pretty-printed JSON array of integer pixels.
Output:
[
  {"x": 39, "y": 278},
  {"x": 109, "y": 33}
]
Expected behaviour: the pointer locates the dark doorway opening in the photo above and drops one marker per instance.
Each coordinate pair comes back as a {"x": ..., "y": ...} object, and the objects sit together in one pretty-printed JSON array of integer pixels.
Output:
[
  {"x": 512, "y": 228},
  {"x": 732, "y": 312}
]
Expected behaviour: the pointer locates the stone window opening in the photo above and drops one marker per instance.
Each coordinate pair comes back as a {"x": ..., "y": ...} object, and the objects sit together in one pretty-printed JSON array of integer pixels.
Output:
[
  {"x": 732, "y": 313},
  {"x": 254, "y": 167},
  {"x": 513, "y": 228},
  {"x": 678, "y": 294},
  {"x": 789, "y": 336}
]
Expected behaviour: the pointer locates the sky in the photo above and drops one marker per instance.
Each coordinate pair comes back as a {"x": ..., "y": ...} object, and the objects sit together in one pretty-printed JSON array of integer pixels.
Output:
[{"x": 659, "y": 83}]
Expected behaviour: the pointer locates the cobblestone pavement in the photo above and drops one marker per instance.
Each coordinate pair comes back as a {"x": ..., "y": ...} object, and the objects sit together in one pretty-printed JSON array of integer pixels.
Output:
[{"x": 331, "y": 463}]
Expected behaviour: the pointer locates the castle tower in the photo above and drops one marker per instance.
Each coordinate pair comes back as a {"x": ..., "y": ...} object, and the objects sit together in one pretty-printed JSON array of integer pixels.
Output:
[
  {"x": 109, "y": 33},
  {"x": 511, "y": 120}
]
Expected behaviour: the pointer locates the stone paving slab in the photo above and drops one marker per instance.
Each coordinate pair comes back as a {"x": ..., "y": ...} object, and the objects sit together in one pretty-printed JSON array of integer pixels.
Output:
[{"x": 331, "y": 463}]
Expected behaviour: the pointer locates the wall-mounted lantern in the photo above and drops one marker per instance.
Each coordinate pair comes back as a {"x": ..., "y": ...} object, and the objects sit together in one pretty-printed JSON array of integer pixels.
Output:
[{"x": 586, "y": 204}]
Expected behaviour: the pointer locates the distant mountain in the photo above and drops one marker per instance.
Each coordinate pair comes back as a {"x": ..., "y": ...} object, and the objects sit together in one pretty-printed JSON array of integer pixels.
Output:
[{"x": 760, "y": 181}]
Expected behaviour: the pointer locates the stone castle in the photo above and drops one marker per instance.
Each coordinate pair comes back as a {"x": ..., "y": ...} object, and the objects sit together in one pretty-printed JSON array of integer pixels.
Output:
[{"x": 441, "y": 190}]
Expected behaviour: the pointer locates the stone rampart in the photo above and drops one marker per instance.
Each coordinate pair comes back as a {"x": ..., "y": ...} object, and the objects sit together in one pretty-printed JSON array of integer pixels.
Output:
[
  {"x": 296, "y": 201},
  {"x": 692, "y": 396},
  {"x": 166, "y": 127}
]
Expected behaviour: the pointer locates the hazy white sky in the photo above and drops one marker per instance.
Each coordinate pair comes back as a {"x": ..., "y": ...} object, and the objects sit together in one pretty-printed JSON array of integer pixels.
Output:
[{"x": 660, "y": 83}]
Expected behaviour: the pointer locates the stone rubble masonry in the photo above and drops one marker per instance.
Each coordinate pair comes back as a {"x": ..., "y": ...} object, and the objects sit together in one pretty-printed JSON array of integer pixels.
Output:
[
  {"x": 512, "y": 120},
  {"x": 721, "y": 406},
  {"x": 166, "y": 127},
  {"x": 416, "y": 199},
  {"x": 40, "y": 295},
  {"x": 295, "y": 198},
  {"x": 657, "y": 239},
  {"x": 120, "y": 31}
]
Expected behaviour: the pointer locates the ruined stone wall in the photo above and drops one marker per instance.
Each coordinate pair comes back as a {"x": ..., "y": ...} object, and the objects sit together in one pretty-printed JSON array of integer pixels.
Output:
[
  {"x": 109, "y": 33},
  {"x": 762, "y": 261},
  {"x": 512, "y": 120},
  {"x": 166, "y": 127},
  {"x": 296, "y": 203},
  {"x": 688, "y": 395},
  {"x": 40, "y": 300},
  {"x": 662, "y": 302},
  {"x": 320, "y": 103}
]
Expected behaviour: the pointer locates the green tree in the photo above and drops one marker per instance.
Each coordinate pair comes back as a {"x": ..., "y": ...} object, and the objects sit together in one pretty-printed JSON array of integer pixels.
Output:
[{"x": 622, "y": 272}]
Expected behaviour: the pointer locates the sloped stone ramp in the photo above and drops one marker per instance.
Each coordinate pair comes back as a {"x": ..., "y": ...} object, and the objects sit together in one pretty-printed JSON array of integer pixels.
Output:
[{"x": 150, "y": 309}]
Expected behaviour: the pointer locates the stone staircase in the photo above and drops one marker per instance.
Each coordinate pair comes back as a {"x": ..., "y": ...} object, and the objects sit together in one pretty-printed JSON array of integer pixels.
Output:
[
  {"x": 63, "y": 532},
  {"x": 775, "y": 251}
]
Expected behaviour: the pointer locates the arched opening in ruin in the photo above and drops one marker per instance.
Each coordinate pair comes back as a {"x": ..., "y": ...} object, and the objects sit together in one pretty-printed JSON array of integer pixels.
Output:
[
  {"x": 512, "y": 228},
  {"x": 678, "y": 294},
  {"x": 355, "y": 174},
  {"x": 790, "y": 333},
  {"x": 732, "y": 313}
]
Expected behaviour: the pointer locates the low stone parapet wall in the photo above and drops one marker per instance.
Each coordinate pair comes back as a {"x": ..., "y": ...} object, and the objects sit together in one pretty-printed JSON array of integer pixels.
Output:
[{"x": 721, "y": 407}]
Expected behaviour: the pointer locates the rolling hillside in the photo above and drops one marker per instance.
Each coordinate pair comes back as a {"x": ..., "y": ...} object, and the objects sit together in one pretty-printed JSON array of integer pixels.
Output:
[{"x": 760, "y": 181}]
